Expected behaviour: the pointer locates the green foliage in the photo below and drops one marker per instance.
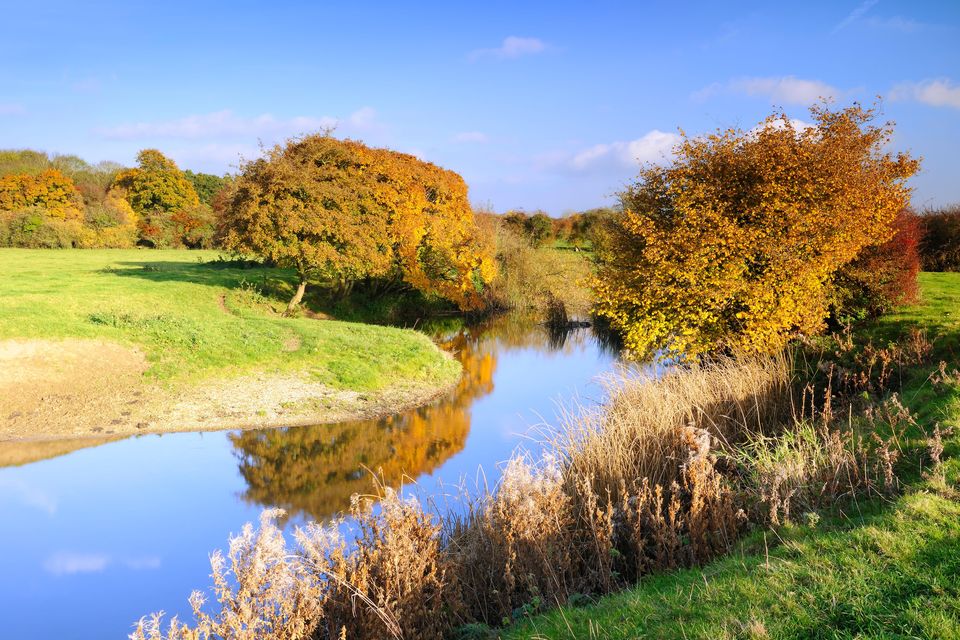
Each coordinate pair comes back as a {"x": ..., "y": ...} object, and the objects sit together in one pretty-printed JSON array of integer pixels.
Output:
[
  {"x": 33, "y": 228},
  {"x": 157, "y": 185},
  {"x": 538, "y": 228},
  {"x": 206, "y": 185}
]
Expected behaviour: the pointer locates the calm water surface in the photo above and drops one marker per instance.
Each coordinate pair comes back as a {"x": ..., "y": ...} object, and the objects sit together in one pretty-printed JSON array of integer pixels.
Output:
[{"x": 94, "y": 538}]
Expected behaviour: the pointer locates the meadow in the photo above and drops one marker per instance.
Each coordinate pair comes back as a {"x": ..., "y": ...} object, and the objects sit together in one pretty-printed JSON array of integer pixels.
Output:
[{"x": 197, "y": 316}]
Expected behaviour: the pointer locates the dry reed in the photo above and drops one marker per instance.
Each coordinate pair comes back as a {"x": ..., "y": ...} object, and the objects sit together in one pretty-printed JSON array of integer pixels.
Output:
[{"x": 666, "y": 474}]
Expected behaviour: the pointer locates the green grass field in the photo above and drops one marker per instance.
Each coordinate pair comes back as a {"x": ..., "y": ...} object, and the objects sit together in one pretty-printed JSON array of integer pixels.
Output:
[
  {"x": 197, "y": 317},
  {"x": 880, "y": 569}
]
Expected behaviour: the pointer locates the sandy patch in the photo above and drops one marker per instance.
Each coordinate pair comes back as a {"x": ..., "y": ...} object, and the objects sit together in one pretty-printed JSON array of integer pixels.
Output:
[{"x": 57, "y": 389}]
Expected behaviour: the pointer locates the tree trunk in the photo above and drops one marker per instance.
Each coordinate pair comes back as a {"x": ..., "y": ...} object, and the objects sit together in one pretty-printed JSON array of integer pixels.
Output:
[{"x": 298, "y": 296}]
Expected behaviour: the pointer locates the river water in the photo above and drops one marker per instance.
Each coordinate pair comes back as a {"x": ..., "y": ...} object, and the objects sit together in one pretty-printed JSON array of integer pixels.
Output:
[{"x": 95, "y": 535}]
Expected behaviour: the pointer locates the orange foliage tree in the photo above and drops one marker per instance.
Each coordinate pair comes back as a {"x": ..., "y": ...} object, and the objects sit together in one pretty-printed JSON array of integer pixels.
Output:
[
  {"x": 338, "y": 211},
  {"x": 49, "y": 190},
  {"x": 734, "y": 244}
]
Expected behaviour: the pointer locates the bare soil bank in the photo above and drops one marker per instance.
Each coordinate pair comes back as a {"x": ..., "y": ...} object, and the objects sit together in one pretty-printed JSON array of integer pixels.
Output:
[{"x": 55, "y": 389}]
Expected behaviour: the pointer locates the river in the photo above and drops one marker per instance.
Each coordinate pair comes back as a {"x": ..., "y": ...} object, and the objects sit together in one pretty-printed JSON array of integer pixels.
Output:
[{"x": 97, "y": 534}]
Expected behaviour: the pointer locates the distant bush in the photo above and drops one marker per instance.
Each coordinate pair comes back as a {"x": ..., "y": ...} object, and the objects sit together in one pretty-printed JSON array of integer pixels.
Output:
[
  {"x": 35, "y": 228},
  {"x": 538, "y": 280},
  {"x": 940, "y": 245}
]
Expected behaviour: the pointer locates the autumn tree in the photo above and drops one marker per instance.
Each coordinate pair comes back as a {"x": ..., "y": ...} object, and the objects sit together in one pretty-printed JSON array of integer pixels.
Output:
[
  {"x": 157, "y": 185},
  {"x": 732, "y": 246},
  {"x": 338, "y": 211},
  {"x": 49, "y": 190}
]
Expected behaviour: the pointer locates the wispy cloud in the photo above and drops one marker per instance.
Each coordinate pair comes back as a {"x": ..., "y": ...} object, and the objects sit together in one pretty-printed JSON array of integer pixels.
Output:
[
  {"x": 782, "y": 90},
  {"x": 511, "y": 47},
  {"x": 854, "y": 15},
  {"x": 655, "y": 146},
  {"x": 470, "y": 136},
  {"x": 226, "y": 123},
  {"x": 12, "y": 109},
  {"x": 939, "y": 92}
]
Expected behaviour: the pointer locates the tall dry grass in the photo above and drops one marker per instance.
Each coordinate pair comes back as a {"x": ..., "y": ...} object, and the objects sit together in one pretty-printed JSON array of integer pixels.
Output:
[{"x": 667, "y": 474}]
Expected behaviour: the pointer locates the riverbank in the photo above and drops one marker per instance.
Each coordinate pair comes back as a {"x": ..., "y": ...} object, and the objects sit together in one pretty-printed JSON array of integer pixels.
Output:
[
  {"x": 120, "y": 342},
  {"x": 838, "y": 494},
  {"x": 872, "y": 566}
]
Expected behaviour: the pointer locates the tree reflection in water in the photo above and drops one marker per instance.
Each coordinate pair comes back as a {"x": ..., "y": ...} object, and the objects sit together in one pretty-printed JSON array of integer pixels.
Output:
[{"x": 313, "y": 471}]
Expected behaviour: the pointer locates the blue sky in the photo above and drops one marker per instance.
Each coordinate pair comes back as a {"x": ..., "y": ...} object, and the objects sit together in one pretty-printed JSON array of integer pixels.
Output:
[{"x": 544, "y": 105}]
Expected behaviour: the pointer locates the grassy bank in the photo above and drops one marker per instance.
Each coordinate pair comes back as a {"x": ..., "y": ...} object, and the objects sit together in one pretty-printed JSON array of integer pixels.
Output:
[
  {"x": 874, "y": 567},
  {"x": 105, "y": 342},
  {"x": 196, "y": 317}
]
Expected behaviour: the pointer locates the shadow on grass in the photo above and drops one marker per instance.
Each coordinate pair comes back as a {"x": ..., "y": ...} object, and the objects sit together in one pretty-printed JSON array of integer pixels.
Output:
[{"x": 270, "y": 282}]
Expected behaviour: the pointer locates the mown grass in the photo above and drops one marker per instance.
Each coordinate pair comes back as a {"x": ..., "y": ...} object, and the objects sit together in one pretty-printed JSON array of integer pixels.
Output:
[
  {"x": 877, "y": 568},
  {"x": 196, "y": 316}
]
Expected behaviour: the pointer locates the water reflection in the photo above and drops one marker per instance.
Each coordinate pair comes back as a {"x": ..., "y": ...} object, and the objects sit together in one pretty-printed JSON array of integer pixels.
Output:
[{"x": 313, "y": 471}]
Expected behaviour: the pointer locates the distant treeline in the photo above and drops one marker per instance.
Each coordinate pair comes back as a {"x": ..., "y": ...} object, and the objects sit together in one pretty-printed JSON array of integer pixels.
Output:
[
  {"x": 581, "y": 230},
  {"x": 63, "y": 201}
]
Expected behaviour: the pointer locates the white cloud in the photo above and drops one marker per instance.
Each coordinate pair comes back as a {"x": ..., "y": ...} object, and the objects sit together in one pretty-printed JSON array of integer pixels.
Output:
[
  {"x": 511, "y": 47},
  {"x": 12, "y": 109},
  {"x": 936, "y": 93},
  {"x": 855, "y": 15},
  {"x": 61, "y": 564},
  {"x": 655, "y": 146},
  {"x": 470, "y": 136},
  {"x": 226, "y": 123},
  {"x": 784, "y": 90}
]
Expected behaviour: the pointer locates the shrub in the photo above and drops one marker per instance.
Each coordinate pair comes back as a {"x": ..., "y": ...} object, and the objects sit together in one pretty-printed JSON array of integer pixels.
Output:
[
  {"x": 882, "y": 276},
  {"x": 731, "y": 247},
  {"x": 35, "y": 228},
  {"x": 940, "y": 245}
]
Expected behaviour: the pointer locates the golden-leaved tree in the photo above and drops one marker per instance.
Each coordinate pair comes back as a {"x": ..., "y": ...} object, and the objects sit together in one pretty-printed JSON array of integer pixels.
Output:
[
  {"x": 157, "y": 185},
  {"x": 338, "y": 211},
  {"x": 49, "y": 190},
  {"x": 733, "y": 245}
]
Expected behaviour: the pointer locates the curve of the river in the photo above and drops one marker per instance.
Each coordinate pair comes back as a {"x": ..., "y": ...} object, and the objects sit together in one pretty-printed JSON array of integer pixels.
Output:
[{"x": 93, "y": 537}]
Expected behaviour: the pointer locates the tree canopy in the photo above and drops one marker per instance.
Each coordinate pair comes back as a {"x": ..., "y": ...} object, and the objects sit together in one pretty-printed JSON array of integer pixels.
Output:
[
  {"x": 157, "y": 185},
  {"x": 734, "y": 244},
  {"x": 339, "y": 211}
]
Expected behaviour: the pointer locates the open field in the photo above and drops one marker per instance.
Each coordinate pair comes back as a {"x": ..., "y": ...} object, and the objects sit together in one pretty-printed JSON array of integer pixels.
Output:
[
  {"x": 158, "y": 340},
  {"x": 877, "y": 568}
]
